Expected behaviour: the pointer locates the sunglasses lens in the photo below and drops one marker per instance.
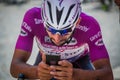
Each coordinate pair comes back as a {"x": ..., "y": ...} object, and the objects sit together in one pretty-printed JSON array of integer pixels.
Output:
[{"x": 62, "y": 32}]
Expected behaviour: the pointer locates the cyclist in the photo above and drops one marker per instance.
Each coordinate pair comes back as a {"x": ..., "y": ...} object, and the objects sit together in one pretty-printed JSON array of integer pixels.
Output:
[{"x": 60, "y": 28}]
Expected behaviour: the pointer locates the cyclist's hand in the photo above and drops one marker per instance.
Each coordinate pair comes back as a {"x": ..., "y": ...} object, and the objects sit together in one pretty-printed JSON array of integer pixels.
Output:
[
  {"x": 62, "y": 72},
  {"x": 44, "y": 70}
]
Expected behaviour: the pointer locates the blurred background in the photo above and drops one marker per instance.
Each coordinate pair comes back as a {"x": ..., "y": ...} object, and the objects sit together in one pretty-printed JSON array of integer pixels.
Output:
[{"x": 11, "y": 15}]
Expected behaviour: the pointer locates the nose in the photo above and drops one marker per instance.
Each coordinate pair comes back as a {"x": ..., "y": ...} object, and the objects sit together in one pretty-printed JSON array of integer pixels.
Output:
[{"x": 57, "y": 38}]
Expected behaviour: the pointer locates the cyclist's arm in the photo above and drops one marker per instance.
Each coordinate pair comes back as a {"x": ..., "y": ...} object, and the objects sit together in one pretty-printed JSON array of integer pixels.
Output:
[
  {"x": 98, "y": 54},
  {"x": 102, "y": 71},
  {"x": 24, "y": 46},
  {"x": 19, "y": 65}
]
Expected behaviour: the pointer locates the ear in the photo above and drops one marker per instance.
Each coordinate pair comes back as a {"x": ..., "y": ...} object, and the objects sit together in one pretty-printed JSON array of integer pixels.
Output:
[{"x": 78, "y": 22}]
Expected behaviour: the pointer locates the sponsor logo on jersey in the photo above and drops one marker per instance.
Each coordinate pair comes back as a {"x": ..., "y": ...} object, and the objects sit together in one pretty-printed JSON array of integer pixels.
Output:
[
  {"x": 26, "y": 26},
  {"x": 47, "y": 39},
  {"x": 83, "y": 28},
  {"x": 23, "y": 33},
  {"x": 96, "y": 36},
  {"x": 38, "y": 21},
  {"x": 99, "y": 42},
  {"x": 67, "y": 51}
]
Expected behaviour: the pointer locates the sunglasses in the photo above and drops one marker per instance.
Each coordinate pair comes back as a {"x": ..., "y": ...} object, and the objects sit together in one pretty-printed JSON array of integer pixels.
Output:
[{"x": 61, "y": 32}]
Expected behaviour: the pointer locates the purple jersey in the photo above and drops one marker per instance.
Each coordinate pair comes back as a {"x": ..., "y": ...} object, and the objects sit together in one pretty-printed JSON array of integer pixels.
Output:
[{"x": 86, "y": 39}]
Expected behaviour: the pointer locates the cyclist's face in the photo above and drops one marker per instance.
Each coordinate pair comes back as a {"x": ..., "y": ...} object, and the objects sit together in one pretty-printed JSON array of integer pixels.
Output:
[{"x": 59, "y": 39}]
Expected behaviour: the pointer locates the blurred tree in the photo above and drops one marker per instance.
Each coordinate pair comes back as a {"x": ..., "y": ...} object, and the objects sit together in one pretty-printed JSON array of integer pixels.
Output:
[{"x": 106, "y": 4}]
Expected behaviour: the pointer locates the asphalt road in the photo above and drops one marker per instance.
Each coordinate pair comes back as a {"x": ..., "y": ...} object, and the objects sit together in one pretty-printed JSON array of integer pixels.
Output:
[{"x": 11, "y": 18}]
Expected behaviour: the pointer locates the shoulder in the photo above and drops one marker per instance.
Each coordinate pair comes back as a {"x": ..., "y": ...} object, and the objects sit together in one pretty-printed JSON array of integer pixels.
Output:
[
  {"x": 33, "y": 16},
  {"x": 88, "y": 20},
  {"x": 32, "y": 19},
  {"x": 35, "y": 11},
  {"x": 89, "y": 26}
]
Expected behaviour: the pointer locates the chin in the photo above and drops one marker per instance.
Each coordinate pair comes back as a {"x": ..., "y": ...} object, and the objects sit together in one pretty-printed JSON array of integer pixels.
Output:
[{"x": 59, "y": 44}]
